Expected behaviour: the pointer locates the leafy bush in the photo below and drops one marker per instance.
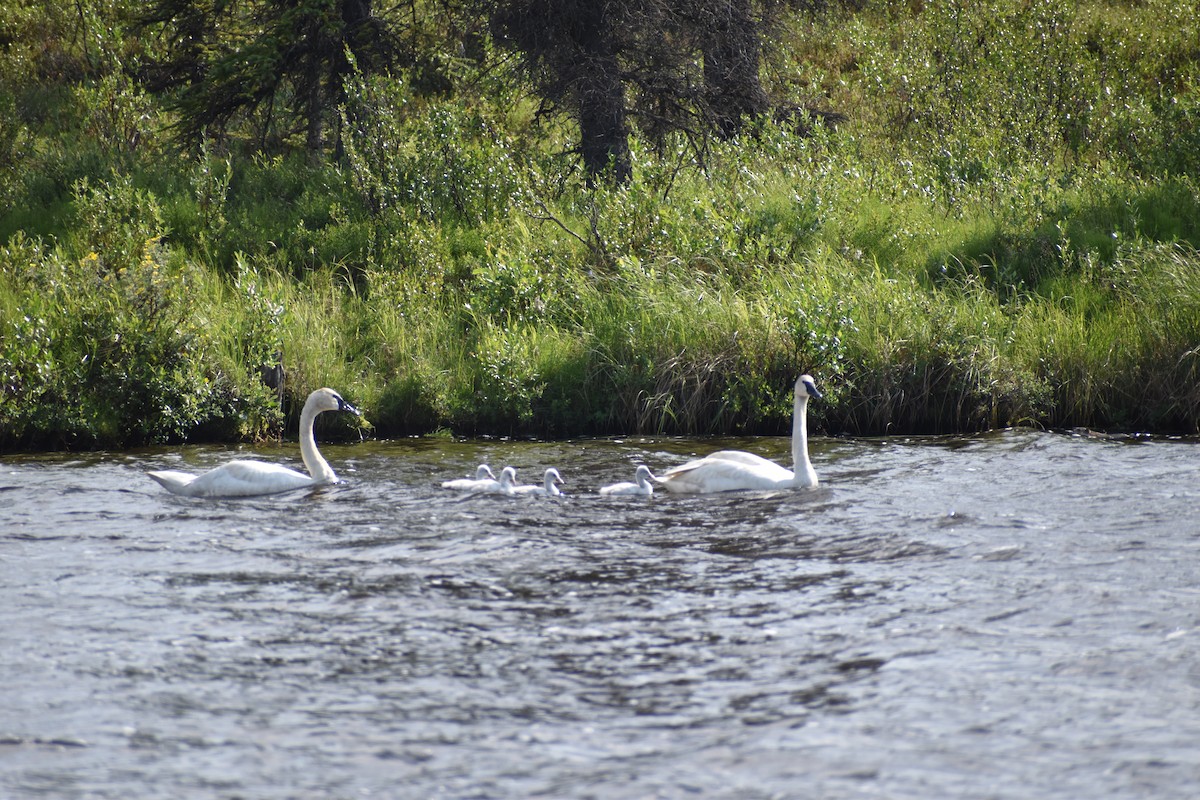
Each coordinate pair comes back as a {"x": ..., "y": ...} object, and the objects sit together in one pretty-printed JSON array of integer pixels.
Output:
[
  {"x": 1001, "y": 230},
  {"x": 442, "y": 160},
  {"x": 124, "y": 364}
]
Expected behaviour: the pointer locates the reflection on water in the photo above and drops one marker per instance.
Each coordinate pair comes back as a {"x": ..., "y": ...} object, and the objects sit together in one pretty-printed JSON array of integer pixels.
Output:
[{"x": 1012, "y": 616}]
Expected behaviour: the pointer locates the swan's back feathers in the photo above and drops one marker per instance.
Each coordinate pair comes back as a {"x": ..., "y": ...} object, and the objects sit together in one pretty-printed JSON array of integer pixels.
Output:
[
  {"x": 732, "y": 462},
  {"x": 627, "y": 488},
  {"x": 242, "y": 478},
  {"x": 710, "y": 474},
  {"x": 469, "y": 484},
  {"x": 642, "y": 486},
  {"x": 752, "y": 460},
  {"x": 483, "y": 480},
  {"x": 548, "y": 489}
]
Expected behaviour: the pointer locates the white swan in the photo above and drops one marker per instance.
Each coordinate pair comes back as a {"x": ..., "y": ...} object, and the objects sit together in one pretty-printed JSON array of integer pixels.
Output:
[
  {"x": 643, "y": 486},
  {"x": 244, "y": 478},
  {"x": 507, "y": 484},
  {"x": 730, "y": 470},
  {"x": 483, "y": 480},
  {"x": 550, "y": 489}
]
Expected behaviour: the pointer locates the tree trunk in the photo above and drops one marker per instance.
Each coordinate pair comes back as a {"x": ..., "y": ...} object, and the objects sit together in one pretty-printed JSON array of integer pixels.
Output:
[
  {"x": 603, "y": 127},
  {"x": 315, "y": 138},
  {"x": 731, "y": 53}
]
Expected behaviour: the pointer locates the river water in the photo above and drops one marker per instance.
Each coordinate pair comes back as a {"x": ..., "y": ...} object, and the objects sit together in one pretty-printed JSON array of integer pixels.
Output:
[{"x": 1012, "y": 615}]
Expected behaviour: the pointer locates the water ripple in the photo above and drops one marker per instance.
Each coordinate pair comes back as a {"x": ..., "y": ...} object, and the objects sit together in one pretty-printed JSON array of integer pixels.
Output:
[{"x": 1016, "y": 610}]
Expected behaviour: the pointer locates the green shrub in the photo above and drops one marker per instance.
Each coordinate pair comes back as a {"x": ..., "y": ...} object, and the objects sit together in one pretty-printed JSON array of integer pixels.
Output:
[
  {"x": 1002, "y": 230},
  {"x": 441, "y": 160}
]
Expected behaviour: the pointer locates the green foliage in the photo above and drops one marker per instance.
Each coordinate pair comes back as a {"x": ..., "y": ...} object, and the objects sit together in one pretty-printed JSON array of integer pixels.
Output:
[
  {"x": 511, "y": 290},
  {"x": 117, "y": 222},
  {"x": 437, "y": 159},
  {"x": 507, "y": 382},
  {"x": 123, "y": 363},
  {"x": 97, "y": 351},
  {"x": 276, "y": 68},
  {"x": 117, "y": 115},
  {"x": 1003, "y": 232}
]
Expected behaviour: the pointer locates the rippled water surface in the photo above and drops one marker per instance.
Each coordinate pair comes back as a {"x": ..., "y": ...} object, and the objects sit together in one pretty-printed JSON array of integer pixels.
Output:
[{"x": 1006, "y": 616}]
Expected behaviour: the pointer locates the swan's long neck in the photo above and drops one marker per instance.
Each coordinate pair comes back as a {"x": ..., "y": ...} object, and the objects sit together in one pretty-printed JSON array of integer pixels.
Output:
[
  {"x": 805, "y": 474},
  {"x": 317, "y": 466}
]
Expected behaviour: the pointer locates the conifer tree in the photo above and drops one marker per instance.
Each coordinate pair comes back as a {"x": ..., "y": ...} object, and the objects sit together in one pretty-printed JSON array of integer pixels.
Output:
[
  {"x": 662, "y": 65},
  {"x": 284, "y": 60}
]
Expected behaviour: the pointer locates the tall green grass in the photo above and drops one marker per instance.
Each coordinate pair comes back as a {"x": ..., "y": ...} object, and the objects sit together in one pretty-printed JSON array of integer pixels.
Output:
[{"x": 1003, "y": 232}]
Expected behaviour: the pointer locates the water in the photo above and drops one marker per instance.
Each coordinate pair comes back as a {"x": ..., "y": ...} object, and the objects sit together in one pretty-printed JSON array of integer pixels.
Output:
[{"x": 1014, "y": 615}]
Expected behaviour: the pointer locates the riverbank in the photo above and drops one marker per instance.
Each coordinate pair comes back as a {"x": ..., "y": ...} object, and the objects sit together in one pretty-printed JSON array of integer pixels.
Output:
[{"x": 936, "y": 271}]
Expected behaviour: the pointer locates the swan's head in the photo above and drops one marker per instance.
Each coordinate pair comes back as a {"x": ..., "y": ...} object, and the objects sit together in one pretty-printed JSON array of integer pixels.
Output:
[
  {"x": 643, "y": 474},
  {"x": 484, "y": 472},
  {"x": 806, "y": 387},
  {"x": 552, "y": 477},
  {"x": 329, "y": 400},
  {"x": 508, "y": 476}
]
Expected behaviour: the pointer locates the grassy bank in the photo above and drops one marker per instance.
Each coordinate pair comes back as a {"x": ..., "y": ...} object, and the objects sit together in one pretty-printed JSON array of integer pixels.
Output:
[{"x": 1004, "y": 232}]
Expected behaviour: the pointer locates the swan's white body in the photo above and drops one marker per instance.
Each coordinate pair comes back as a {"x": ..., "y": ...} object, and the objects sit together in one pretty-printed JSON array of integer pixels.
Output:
[
  {"x": 642, "y": 485},
  {"x": 732, "y": 470},
  {"x": 507, "y": 485},
  {"x": 245, "y": 478},
  {"x": 549, "y": 489},
  {"x": 484, "y": 479}
]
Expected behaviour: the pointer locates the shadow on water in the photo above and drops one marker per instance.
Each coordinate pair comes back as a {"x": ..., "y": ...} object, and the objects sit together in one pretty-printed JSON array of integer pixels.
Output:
[{"x": 940, "y": 615}]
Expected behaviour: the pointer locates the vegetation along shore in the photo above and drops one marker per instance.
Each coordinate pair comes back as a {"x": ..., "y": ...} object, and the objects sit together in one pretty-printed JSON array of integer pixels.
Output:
[{"x": 558, "y": 219}]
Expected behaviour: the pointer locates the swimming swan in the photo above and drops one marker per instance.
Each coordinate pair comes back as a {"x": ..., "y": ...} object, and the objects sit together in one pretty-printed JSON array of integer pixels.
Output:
[
  {"x": 245, "y": 478},
  {"x": 643, "y": 486},
  {"x": 550, "y": 489},
  {"x": 730, "y": 470},
  {"x": 507, "y": 484},
  {"x": 483, "y": 480}
]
